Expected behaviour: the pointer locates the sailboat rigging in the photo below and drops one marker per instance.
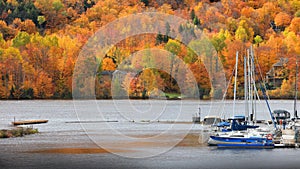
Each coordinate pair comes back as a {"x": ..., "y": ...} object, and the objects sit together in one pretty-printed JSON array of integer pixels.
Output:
[
  {"x": 296, "y": 91},
  {"x": 244, "y": 135}
]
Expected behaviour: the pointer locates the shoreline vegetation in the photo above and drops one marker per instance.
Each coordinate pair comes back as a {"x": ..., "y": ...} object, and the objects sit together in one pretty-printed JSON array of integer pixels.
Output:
[
  {"x": 146, "y": 98},
  {"x": 17, "y": 132},
  {"x": 41, "y": 42}
]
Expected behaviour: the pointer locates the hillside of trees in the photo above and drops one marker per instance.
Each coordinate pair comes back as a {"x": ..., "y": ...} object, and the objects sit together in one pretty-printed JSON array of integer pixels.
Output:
[{"x": 40, "y": 41}]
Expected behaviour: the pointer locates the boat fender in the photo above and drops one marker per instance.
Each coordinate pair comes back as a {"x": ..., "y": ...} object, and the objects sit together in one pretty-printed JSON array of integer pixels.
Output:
[{"x": 269, "y": 137}]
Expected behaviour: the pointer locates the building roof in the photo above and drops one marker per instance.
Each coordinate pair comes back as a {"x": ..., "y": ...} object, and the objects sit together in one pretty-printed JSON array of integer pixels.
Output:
[{"x": 281, "y": 62}]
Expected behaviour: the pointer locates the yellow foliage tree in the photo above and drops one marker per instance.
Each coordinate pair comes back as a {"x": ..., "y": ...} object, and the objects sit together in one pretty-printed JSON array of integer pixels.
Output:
[
  {"x": 282, "y": 19},
  {"x": 108, "y": 64},
  {"x": 286, "y": 88},
  {"x": 295, "y": 25}
]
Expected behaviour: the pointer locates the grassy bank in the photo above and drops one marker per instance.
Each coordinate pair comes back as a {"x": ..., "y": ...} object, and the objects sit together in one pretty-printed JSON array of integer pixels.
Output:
[{"x": 17, "y": 132}]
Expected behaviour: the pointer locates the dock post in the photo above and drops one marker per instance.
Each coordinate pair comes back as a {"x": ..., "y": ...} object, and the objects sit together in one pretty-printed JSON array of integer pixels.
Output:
[{"x": 297, "y": 132}]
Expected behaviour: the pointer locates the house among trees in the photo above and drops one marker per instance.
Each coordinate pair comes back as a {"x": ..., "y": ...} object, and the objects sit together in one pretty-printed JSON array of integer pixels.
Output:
[
  {"x": 105, "y": 75},
  {"x": 277, "y": 74}
]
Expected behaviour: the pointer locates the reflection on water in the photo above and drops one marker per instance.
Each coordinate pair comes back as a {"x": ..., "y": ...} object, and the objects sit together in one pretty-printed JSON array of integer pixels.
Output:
[{"x": 71, "y": 147}]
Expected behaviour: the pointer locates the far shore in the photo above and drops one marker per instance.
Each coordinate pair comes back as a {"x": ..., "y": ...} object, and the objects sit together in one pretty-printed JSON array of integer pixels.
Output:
[{"x": 136, "y": 98}]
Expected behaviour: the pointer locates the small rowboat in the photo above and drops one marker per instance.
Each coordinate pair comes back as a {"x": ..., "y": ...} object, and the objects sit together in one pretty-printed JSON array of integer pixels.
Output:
[{"x": 27, "y": 122}]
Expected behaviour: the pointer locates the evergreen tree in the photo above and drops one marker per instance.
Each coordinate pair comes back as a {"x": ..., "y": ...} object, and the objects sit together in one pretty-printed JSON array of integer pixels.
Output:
[
  {"x": 192, "y": 15},
  {"x": 196, "y": 21},
  {"x": 146, "y": 2},
  {"x": 159, "y": 38}
]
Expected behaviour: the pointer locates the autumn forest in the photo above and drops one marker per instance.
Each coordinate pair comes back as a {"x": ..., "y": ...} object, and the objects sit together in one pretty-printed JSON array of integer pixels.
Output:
[{"x": 40, "y": 41}]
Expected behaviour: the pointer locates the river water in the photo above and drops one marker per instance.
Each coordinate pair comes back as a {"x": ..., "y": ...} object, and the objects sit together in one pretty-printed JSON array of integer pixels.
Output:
[{"x": 130, "y": 134}]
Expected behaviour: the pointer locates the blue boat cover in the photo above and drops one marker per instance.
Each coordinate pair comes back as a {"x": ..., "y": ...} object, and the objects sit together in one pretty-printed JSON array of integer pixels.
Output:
[
  {"x": 223, "y": 124},
  {"x": 236, "y": 126}
]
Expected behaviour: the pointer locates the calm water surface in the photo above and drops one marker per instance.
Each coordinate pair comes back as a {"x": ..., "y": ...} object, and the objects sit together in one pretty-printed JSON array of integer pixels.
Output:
[{"x": 131, "y": 137}]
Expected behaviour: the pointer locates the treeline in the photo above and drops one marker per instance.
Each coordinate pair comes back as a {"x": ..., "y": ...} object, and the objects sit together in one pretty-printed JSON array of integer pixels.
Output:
[{"x": 40, "y": 41}]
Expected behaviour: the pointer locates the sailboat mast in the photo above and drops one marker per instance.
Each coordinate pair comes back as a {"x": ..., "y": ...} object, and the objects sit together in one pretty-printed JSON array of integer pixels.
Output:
[
  {"x": 249, "y": 84},
  {"x": 296, "y": 90},
  {"x": 245, "y": 87},
  {"x": 253, "y": 86},
  {"x": 235, "y": 80}
]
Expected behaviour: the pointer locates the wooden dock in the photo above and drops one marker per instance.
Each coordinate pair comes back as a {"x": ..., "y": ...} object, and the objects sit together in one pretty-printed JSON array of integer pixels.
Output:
[
  {"x": 99, "y": 121},
  {"x": 28, "y": 122},
  {"x": 288, "y": 139}
]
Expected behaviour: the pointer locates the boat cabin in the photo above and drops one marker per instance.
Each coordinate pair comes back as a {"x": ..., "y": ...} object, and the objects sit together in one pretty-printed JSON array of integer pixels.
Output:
[
  {"x": 239, "y": 123},
  {"x": 281, "y": 115},
  {"x": 209, "y": 120}
]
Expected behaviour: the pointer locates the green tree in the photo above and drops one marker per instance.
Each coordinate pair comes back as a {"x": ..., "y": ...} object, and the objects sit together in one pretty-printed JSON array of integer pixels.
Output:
[
  {"x": 241, "y": 34},
  {"x": 57, "y": 5},
  {"x": 146, "y": 2},
  {"x": 218, "y": 41},
  {"x": 190, "y": 57},
  {"x": 174, "y": 48},
  {"x": 192, "y": 14},
  {"x": 11, "y": 71},
  {"x": 21, "y": 39},
  {"x": 159, "y": 38},
  {"x": 19, "y": 9},
  {"x": 257, "y": 40},
  {"x": 41, "y": 20},
  {"x": 168, "y": 30},
  {"x": 2, "y": 41},
  {"x": 196, "y": 21}
]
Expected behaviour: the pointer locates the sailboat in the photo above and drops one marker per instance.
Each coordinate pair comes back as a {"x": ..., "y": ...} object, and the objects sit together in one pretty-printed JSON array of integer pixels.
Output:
[
  {"x": 244, "y": 135},
  {"x": 296, "y": 119},
  {"x": 290, "y": 135}
]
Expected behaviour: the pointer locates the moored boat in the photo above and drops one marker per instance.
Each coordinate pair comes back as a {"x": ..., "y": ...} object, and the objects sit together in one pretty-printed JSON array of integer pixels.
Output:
[
  {"x": 239, "y": 139},
  {"x": 251, "y": 135},
  {"x": 28, "y": 122},
  {"x": 210, "y": 120},
  {"x": 243, "y": 132}
]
